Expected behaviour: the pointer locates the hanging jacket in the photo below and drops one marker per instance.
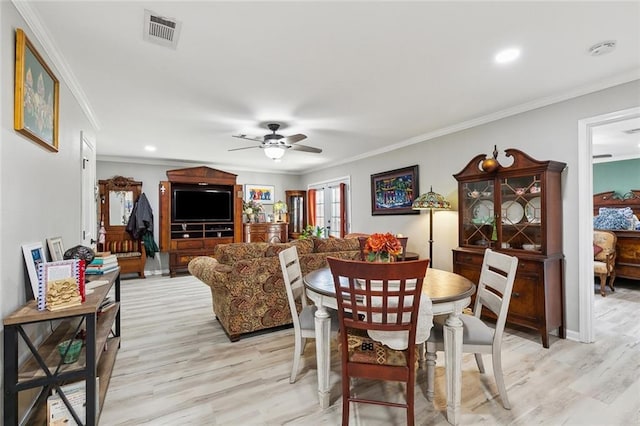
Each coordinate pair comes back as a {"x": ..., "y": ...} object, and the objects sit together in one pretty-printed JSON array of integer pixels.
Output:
[{"x": 140, "y": 225}]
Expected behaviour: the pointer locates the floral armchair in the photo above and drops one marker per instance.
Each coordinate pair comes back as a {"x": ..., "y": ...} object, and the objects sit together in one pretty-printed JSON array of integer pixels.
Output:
[{"x": 604, "y": 255}]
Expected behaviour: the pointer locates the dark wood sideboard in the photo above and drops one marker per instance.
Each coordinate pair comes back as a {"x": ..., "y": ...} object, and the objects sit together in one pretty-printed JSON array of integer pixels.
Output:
[{"x": 265, "y": 232}]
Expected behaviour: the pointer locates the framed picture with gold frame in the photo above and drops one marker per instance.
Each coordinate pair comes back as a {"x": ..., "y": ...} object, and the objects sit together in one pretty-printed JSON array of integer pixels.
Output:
[{"x": 36, "y": 95}]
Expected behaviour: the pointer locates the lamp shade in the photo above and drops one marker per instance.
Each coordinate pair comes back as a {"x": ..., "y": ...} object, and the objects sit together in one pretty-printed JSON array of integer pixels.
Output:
[
  {"x": 279, "y": 207},
  {"x": 430, "y": 201},
  {"x": 274, "y": 152}
]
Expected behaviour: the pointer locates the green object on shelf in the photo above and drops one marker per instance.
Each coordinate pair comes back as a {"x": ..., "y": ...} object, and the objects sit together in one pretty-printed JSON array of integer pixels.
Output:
[{"x": 70, "y": 350}]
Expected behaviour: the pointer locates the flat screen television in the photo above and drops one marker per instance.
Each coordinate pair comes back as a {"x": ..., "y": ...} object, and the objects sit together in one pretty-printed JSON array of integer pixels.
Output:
[{"x": 202, "y": 204}]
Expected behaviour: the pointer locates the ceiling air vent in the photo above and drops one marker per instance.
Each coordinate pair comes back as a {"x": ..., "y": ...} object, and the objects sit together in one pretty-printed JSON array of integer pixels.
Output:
[
  {"x": 161, "y": 30},
  {"x": 603, "y": 156}
]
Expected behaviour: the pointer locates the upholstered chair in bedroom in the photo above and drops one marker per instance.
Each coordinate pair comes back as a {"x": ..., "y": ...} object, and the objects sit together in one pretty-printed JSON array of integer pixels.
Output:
[{"x": 604, "y": 258}]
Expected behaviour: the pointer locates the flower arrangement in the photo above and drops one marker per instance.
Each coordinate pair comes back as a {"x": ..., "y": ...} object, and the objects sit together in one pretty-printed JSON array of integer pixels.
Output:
[
  {"x": 252, "y": 207},
  {"x": 381, "y": 247}
]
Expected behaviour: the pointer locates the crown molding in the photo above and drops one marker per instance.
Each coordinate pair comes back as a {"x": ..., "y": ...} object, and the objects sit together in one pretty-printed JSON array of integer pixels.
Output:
[
  {"x": 189, "y": 163},
  {"x": 41, "y": 34},
  {"x": 623, "y": 78}
]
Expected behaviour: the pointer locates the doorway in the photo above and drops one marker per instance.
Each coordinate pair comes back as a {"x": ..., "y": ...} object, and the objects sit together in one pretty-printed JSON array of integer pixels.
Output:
[
  {"x": 585, "y": 214},
  {"x": 89, "y": 191}
]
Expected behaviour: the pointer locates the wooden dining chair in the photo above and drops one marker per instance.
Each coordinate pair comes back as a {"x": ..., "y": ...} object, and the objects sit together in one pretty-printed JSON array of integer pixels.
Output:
[
  {"x": 303, "y": 321},
  {"x": 378, "y": 298},
  {"x": 497, "y": 275}
]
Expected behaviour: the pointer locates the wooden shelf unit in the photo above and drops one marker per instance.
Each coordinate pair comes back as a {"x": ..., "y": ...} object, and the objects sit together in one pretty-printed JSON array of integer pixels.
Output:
[
  {"x": 516, "y": 210},
  {"x": 186, "y": 240},
  {"x": 96, "y": 359}
]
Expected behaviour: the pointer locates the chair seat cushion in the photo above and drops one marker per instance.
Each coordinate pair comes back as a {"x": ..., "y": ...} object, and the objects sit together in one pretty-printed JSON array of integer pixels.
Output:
[
  {"x": 475, "y": 331},
  {"x": 364, "y": 349},
  {"x": 128, "y": 254},
  {"x": 600, "y": 267}
]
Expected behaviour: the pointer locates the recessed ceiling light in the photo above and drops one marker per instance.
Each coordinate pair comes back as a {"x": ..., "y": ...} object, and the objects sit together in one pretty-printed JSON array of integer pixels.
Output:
[
  {"x": 507, "y": 55},
  {"x": 150, "y": 148}
]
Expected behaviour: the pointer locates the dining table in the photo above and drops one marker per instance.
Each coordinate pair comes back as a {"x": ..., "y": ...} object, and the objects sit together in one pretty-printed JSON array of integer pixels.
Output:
[{"x": 450, "y": 293}]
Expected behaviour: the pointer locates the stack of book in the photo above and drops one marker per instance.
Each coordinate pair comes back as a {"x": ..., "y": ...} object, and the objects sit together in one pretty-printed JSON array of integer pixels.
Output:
[
  {"x": 57, "y": 412},
  {"x": 103, "y": 262}
]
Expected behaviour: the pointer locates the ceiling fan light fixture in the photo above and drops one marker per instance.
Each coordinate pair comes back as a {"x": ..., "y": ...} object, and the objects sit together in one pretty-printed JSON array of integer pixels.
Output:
[{"x": 274, "y": 152}]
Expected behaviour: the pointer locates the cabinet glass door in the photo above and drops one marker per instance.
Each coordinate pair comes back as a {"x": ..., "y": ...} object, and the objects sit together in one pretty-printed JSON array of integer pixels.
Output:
[
  {"x": 478, "y": 213},
  {"x": 296, "y": 207},
  {"x": 521, "y": 213}
]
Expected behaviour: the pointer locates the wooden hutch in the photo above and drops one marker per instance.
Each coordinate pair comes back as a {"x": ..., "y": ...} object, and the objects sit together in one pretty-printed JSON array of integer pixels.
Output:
[
  {"x": 516, "y": 210},
  {"x": 118, "y": 195},
  {"x": 186, "y": 239}
]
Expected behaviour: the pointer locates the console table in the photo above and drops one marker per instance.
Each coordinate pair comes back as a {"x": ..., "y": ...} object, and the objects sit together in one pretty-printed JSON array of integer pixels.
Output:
[
  {"x": 265, "y": 232},
  {"x": 45, "y": 370}
]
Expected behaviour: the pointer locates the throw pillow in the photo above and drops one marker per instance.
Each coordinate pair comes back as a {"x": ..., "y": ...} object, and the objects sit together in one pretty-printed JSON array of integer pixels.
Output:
[{"x": 596, "y": 250}]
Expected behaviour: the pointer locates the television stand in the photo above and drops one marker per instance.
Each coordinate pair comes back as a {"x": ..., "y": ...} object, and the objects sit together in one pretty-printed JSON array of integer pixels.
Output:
[{"x": 184, "y": 240}]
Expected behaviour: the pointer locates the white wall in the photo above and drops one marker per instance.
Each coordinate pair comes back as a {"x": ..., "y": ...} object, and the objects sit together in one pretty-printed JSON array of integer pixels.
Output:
[
  {"x": 150, "y": 175},
  {"x": 549, "y": 133},
  {"x": 39, "y": 189}
]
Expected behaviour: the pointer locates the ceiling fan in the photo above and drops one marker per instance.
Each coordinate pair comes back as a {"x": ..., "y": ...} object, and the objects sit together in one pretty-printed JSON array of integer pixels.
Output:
[{"x": 275, "y": 145}]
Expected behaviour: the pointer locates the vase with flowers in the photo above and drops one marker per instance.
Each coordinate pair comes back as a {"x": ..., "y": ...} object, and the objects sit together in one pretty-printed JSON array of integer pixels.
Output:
[
  {"x": 382, "y": 247},
  {"x": 251, "y": 208}
]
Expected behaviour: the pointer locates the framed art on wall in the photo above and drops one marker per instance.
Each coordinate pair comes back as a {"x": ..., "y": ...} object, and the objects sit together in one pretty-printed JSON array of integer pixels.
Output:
[
  {"x": 36, "y": 95},
  {"x": 262, "y": 194},
  {"x": 393, "y": 192}
]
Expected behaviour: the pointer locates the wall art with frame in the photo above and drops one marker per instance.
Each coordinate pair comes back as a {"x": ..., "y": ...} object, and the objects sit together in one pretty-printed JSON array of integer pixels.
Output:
[
  {"x": 263, "y": 194},
  {"x": 393, "y": 192},
  {"x": 36, "y": 95}
]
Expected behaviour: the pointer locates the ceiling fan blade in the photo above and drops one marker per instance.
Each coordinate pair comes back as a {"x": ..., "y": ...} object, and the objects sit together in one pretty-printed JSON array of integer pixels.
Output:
[
  {"x": 249, "y": 138},
  {"x": 246, "y": 147},
  {"x": 306, "y": 149},
  {"x": 295, "y": 138}
]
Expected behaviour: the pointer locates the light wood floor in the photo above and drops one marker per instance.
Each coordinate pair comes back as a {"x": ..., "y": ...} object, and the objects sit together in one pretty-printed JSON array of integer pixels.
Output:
[{"x": 177, "y": 367}]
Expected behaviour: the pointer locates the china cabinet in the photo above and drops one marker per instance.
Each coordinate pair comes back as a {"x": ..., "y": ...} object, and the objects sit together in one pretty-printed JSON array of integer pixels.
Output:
[
  {"x": 297, "y": 212},
  {"x": 516, "y": 210}
]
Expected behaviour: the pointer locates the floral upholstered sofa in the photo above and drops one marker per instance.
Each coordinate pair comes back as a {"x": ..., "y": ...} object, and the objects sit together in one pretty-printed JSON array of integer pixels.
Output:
[{"x": 246, "y": 282}]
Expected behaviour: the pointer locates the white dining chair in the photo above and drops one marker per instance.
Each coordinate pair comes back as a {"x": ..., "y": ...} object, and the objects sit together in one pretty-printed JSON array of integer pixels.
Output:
[
  {"x": 494, "y": 293},
  {"x": 303, "y": 321}
]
